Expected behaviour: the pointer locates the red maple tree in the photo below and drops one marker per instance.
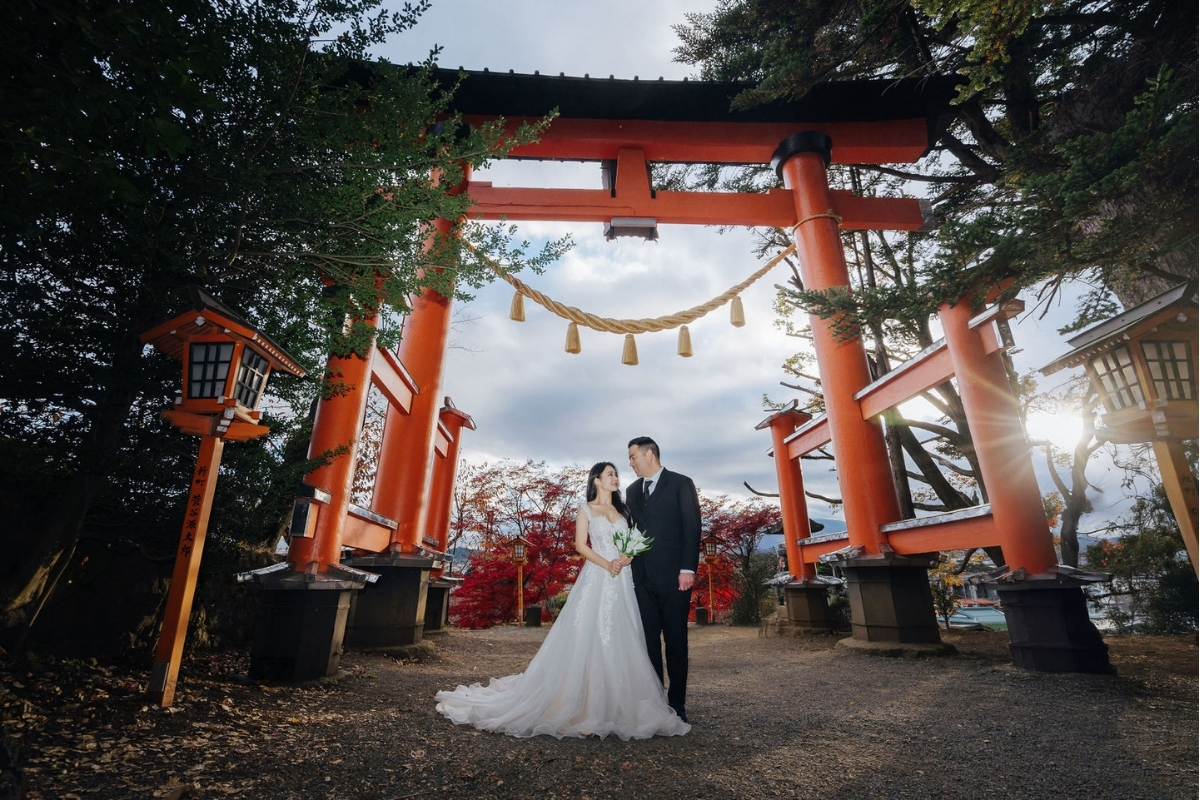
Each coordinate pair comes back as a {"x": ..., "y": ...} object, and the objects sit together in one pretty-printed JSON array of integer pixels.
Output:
[
  {"x": 508, "y": 499},
  {"x": 497, "y": 502},
  {"x": 739, "y": 526}
]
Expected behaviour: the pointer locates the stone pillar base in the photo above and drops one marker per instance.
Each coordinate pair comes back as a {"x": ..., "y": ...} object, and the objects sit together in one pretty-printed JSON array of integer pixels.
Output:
[
  {"x": 390, "y": 612},
  {"x": 1048, "y": 625},
  {"x": 437, "y": 606},
  {"x": 890, "y": 599},
  {"x": 807, "y": 605},
  {"x": 300, "y": 627}
]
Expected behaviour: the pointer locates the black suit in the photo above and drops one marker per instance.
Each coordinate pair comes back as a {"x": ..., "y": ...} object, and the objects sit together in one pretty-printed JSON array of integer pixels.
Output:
[{"x": 670, "y": 516}]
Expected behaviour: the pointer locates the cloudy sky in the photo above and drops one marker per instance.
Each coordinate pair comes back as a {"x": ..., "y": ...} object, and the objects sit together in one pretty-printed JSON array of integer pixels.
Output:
[{"x": 529, "y": 398}]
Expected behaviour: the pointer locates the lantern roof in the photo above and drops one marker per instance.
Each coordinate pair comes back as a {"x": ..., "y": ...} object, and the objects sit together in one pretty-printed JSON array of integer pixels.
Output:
[
  {"x": 208, "y": 316},
  {"x": 1179, "y": 301}
]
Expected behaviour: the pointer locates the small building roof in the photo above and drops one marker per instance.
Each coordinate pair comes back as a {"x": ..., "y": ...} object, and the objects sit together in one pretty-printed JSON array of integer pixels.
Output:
[{"x": 1181, "y": 298}]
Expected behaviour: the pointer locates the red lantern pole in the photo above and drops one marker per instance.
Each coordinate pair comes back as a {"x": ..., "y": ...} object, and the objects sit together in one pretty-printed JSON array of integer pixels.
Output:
[
  {"x": 187, "y": 567},
  {"x": 520, "y": 590},
  {"x": 712, "y": 611}
]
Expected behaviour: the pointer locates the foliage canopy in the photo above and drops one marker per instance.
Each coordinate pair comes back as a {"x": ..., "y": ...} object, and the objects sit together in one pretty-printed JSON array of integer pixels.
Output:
[{"x": 254, "y": 149}]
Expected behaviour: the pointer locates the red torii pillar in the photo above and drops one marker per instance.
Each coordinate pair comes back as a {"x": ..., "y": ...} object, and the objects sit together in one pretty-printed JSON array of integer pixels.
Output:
[
  {"x": 441, "y": 499},
  {"x": 444, "y": 473},
  {"x": 1044, "y": 606},
  {"x": 792, "y": 502},
  {"x": 806, "y": 597},
  {"x": 338, "y": 424},
  {"x": 402, "y": 481},
  {"x": 302, "y": 615},
  {"x": 889, "y": 594},
  {"x": 1001, "y": 448},
  {"x": 392, "y": 612},
  {"x": 408, "y": 600}
]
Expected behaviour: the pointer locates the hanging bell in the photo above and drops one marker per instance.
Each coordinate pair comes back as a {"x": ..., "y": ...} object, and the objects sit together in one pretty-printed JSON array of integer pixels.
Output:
[
  {"x": 516, "y": 311},
  {"x": 573, "y": 338},
  {"x": 629, "y": 353},
  {"x": 685, "y": 342},
  {"x": 737, "y": 315}
]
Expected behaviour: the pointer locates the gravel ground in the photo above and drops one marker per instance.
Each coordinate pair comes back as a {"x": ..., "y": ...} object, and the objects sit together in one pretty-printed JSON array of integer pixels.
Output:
[{"x": 772, "y": 717}]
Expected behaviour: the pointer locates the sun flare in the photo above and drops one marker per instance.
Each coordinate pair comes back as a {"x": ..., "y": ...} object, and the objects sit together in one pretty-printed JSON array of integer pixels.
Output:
[{"x": 1061, "y": 430}]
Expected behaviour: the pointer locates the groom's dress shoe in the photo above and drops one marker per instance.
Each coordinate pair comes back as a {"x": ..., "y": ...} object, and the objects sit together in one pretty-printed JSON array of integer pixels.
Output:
[{"x": 681, "y": 713}]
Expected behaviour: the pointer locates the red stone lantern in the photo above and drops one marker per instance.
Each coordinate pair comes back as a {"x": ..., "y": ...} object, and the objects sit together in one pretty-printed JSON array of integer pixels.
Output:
[
  {"x": 1143, "y": 363},
  {"x": 226, "y": 363}
]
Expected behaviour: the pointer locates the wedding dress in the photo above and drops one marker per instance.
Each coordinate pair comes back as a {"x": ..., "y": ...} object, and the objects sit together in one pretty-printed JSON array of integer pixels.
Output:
[{"x": 591, "y": 676}]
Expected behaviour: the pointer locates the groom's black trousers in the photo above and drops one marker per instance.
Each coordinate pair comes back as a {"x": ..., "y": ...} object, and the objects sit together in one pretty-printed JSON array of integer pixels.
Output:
[{"x": 664, "y": 611}]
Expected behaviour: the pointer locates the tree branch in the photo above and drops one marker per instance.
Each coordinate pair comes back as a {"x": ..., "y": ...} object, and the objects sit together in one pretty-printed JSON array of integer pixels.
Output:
[
  {"x": 941, "y": 430},
  {"x": 914, "y": 176}
]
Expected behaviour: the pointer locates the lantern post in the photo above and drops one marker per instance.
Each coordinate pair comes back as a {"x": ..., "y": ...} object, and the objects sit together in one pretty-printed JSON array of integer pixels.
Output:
[
  {"x": 520, "y": 546},
  {"x": 710, "y": 544},
  {"x": 226, "y": 363}
]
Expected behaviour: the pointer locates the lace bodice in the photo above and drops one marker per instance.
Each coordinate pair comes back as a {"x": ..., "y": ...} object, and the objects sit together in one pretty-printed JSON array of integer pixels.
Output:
[{"x": 600, "y": 532}]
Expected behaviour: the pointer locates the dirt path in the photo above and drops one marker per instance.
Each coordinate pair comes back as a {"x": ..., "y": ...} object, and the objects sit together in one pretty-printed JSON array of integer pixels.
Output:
[{"x": 772, "y": 718}]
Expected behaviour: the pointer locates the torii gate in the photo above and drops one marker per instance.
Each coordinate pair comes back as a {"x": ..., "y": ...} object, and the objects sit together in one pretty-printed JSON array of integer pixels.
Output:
[{"x": 626, "y": 125}]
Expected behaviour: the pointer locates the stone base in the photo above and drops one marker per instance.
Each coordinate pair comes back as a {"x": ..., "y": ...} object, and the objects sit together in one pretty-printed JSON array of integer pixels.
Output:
[
  {"x": 437, "y": 606},
  {"x": 390, "y": 612},
  {"x": 701, "y": 615},
  {"x": 890, "y": 600},
  {"x": 1048, "y": 626},
  {"x": 300, "y": 628},
  {"x": 807, "y": 606},
  {"x": 533, "y": 616}
]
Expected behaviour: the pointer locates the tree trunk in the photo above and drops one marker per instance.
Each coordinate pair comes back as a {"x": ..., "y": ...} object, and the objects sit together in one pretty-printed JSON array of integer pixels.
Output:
[
  {"x": 1076, "y": 502},
  {"x": 31, "y": 585},
  {"x": 950, "y": 497},
  {"x": 892, "y": 421}
]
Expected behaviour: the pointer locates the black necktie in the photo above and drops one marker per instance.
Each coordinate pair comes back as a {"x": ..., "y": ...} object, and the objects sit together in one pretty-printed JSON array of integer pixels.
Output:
[{"x": 646, "y": 491}]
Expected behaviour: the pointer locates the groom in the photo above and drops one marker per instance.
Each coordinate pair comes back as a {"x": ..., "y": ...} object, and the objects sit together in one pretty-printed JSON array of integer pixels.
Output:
[{"x": 666, "y": 508}]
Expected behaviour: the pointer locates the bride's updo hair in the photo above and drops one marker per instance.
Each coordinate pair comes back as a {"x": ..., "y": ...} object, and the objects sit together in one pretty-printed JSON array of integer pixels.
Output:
[{"x": 618, "y": 501}]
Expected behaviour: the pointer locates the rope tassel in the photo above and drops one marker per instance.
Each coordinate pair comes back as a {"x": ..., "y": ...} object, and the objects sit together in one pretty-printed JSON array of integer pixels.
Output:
[
  {"x": 573, "y": 338},
  {"x": 629, "y": 354},
  {"x": 685, "y": 342},
  {"x": 516, "y": 311},
  {"x": 737, "y": 315}
]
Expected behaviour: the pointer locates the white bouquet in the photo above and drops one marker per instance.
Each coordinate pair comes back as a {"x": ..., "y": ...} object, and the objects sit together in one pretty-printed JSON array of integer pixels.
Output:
[{"x": 631, "y": 542}]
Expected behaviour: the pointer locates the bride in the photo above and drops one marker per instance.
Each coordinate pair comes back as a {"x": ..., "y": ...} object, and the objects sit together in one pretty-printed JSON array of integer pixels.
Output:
[{"x": 592, "y": 676}]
